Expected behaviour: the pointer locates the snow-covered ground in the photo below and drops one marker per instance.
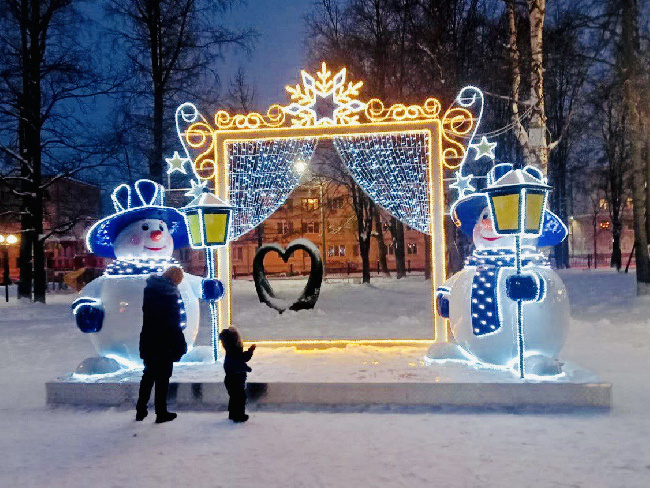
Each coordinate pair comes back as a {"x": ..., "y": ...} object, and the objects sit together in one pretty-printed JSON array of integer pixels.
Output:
[
  {"x": 344, "y": 311},
  {"x": 610, "y": 335}
]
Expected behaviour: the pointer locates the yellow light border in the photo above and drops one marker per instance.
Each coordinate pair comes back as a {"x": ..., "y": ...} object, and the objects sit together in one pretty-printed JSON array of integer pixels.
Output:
[{"x": 432, "y": 128}]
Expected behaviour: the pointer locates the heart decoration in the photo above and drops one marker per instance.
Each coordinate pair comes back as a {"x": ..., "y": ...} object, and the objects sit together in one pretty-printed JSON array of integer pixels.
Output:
[{"x": 310, "y": 293}]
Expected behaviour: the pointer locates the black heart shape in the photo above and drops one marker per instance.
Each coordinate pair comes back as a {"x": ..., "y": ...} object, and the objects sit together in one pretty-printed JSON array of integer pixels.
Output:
[{"x": 309, "y": 295}]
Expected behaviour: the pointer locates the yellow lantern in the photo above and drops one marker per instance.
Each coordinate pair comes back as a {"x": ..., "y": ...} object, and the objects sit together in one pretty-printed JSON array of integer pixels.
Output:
[
  {"x": 208, "y": 221},
  {"x": 517, "y": 203}
]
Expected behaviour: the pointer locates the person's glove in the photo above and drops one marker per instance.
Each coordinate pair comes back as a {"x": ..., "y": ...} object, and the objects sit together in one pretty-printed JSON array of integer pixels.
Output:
[
  {"x": 89, "y": 317},
  {"x": 525, "y": 287},
  {"x": 212, "y": 289}
]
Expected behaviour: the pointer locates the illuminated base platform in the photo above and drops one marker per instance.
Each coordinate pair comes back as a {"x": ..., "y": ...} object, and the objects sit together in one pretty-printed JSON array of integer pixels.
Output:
[{"x": 354, "y": 378}]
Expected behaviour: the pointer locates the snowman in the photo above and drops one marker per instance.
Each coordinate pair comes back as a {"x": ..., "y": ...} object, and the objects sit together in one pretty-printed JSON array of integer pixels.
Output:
[
  {"x": 480, "y": 300},
  {"x": 140, "y": 237}
]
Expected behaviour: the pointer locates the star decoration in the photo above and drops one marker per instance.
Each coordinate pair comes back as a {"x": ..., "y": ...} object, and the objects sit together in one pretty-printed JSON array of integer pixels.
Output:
[
  {"x": 484, "y": 148},
  {"x": 462, "y": 184},
  {"x": 324, "y": 101},
  {"x": 176, "y": 163},
  {"x": 198, "y": 189}
]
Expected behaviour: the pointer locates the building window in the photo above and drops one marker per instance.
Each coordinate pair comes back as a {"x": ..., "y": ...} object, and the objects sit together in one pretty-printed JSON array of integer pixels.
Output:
[
  {"x": 605, "y": 224},
  {"x": 336, "y": 250},
  {"x": 285, "y": 228},
  {"x": 355, "y": 251},
  {"x": 238, "y": 253},
  {"x": 391, "y": 249},
  {"x": 412, "y": 248},
  {"x": 337, "y": 202},
  {"x": 629, "y": 202},
  {"x": 310, "y": 227},
  {"x": 185, "y": 255},
  {"x": 309, "y": 204},
  {"x": 603, "y": 204}
]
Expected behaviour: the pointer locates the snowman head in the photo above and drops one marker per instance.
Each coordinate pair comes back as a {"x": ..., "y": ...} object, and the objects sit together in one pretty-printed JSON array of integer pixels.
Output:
[
  {"x": 486, "y": 238},
  {"x": 144, "y": 239}
]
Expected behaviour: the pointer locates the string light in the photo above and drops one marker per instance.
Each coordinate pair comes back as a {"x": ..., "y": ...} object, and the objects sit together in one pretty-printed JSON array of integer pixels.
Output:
[
  {"x": 392, "y": 170},
  {"x": 262, "y": 175}
]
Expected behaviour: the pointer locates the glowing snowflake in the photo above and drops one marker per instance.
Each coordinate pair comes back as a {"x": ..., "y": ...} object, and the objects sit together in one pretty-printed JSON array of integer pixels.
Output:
[{"x": 325, "y": 100}]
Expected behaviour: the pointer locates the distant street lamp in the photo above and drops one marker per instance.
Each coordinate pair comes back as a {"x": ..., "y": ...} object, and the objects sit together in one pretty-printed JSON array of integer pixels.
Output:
[{"x": 5, "y": 242}]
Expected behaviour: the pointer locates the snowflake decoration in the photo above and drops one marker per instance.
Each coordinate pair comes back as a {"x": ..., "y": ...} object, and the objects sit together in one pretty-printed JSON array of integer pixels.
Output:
[{"x": 324, "y": 100}]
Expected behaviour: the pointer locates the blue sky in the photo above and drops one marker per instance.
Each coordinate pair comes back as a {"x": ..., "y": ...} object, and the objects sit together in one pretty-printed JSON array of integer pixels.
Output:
[{"x": 280, "y": 50}]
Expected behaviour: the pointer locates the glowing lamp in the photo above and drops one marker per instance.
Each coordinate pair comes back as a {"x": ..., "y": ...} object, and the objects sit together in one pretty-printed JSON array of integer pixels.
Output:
[
  {"x": 517, "y": 200},
  {"x": 208, "y": 221},
  {"x": 517, "y": 203}
]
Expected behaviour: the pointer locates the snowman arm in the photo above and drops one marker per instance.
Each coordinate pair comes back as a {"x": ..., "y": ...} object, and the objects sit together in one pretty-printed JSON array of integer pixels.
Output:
[
  {"x": 87, "y": 309},
  {"x": 443, "y": 292},
  {"x": 195, "y": 283}
]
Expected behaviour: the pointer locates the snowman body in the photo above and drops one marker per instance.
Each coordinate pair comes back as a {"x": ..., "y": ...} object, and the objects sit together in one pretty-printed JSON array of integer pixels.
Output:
[
  {"x": 142, "y": 248},
  {"x": 483, "y": 318},
  {"x": 121, "y": 298}
]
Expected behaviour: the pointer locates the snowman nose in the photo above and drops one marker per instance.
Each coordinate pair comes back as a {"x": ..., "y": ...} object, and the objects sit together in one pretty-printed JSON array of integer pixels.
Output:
[{"x": 156, "y": 235}]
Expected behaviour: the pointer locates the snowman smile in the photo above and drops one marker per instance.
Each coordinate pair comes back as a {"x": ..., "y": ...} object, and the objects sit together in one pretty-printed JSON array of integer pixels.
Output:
[
  {"x": 491, "y": 239},
  {"x": 155, "y": 248}
]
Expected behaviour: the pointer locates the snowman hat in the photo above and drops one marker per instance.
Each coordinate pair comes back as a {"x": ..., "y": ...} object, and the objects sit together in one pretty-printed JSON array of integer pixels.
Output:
[
  {"x": 146, "y": 201},
  {"x": 466, "y": 211}
]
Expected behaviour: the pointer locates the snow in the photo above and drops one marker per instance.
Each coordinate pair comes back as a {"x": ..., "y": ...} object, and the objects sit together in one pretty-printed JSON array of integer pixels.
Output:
[{"x": 610, "y": 334}]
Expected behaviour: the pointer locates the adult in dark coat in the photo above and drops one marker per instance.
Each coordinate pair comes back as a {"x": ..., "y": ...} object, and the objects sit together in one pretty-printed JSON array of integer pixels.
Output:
[
  {"x": 161, "y": 341},
  {"x": 236, "y": 371}
]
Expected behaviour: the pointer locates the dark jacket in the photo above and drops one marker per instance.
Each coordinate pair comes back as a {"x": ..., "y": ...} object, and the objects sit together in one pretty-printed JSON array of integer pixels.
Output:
[
  {"x": 236, "y": 359},
  {"x": 161, "y": 339}
]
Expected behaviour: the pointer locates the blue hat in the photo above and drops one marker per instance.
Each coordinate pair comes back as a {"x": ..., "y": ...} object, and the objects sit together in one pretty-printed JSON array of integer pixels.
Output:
[
  {"x": 149, "y": 204},
  {"x": 466, "y": 211}
]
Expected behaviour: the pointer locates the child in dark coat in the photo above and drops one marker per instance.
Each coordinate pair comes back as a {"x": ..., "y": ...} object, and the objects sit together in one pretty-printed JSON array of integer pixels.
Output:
[{"x": 236, "y": 368}]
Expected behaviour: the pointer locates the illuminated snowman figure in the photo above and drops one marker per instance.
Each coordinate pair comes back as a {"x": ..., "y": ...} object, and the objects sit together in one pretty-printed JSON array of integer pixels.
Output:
[
  {"x": 479, "y": 300},
  {"x": 141, "y": 237}
]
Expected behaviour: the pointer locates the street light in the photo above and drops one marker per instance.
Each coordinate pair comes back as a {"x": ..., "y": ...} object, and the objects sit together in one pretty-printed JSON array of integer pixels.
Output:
[
  {"x": 517, "y": 203},
  {"x": 208, "y": 221},
  {"x": 5, "y": 242}
]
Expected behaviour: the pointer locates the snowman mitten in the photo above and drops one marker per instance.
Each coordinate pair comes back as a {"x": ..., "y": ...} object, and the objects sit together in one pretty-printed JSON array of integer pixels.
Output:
[
  {"x": 212, "y": 289},
  {"x": 89, "y": 318},
  {"x": 525, "y": 287},
  {"x": 442, "y": 299}
]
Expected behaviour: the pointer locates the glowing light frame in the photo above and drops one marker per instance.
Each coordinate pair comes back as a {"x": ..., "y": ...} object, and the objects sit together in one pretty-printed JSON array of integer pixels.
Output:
[{"x": 208, "y": 150}]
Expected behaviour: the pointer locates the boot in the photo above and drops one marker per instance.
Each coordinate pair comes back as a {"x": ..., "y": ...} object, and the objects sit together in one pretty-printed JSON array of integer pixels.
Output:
[
  {"x": 140, "y": 415},
  {"x": 242, "y": 418},
  {"x": 165, "y": 417}
]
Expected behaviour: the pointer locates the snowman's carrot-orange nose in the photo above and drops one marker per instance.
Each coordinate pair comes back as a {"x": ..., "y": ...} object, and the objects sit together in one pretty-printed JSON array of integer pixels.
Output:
[{"x": 156, "y": 235}]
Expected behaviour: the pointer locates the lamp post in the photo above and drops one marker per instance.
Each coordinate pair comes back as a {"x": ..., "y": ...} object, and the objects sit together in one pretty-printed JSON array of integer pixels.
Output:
[
  {"x": 5, "y": 242},
  {"x": 208, "y": 221},
  {"x": 517, "y": 203}
]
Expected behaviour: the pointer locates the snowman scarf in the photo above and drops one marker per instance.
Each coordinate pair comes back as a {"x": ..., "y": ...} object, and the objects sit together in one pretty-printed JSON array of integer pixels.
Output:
[
  {"x": 139, "y": 267},
  {"x": 485, "y": 303}
]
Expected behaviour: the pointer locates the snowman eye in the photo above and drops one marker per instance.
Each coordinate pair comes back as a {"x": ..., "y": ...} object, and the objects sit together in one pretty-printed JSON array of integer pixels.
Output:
[
  {"x": 145, "y": 226},
  {"x": 161, "y": 227}
]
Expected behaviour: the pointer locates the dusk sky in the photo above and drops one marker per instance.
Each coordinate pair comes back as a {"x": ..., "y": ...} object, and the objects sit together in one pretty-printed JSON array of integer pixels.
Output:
[{"x": 280, "y": 49}]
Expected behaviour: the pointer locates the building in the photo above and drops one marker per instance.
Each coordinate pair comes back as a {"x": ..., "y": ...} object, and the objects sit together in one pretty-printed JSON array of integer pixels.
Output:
[
  {"x": 590, "y": 234},
  {"x": 322, "y": 212},
  {"x": 70, "y": 208}
]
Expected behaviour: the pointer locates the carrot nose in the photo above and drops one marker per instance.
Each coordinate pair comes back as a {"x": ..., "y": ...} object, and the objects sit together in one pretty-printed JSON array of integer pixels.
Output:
[{"x": 156, "y": 235}]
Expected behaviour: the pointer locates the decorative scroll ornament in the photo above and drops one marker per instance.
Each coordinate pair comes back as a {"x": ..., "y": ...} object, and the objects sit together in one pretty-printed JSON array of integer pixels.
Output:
[{"x": 328, "y": 99}]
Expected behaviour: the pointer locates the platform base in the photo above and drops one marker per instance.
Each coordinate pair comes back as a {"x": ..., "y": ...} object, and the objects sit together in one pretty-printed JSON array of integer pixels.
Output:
[{"x": 349, "y": 396}]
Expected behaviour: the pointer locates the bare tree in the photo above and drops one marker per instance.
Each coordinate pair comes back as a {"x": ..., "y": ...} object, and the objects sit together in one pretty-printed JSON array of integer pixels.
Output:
[
  {"x": 637, "y": 107},
  {"x": 174, "y": 44},
  {"x": 46, "y": 80}
]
